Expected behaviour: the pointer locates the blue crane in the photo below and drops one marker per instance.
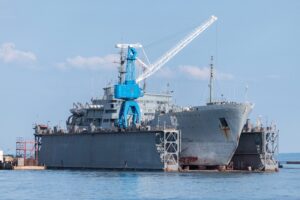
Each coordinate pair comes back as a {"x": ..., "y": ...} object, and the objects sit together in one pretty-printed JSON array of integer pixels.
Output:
[{"x": 129, "y": 91}]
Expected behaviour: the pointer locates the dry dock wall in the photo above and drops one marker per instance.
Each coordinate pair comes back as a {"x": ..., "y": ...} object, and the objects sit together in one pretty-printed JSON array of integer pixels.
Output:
[
  {"x": 256, "y": 150},
  {"x": 116, "y": 150}
]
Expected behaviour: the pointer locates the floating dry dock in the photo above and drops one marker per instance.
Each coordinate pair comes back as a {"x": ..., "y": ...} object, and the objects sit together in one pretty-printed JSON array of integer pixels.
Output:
[{"x": 148, "y": 150}]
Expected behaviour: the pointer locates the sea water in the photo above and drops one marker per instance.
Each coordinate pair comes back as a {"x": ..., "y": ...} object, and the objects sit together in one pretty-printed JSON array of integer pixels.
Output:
[{"x": 95, "y": 184}]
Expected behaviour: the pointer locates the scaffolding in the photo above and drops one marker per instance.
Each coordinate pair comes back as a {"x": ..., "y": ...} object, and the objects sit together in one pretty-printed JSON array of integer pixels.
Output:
[
  {"x": 25, "y": 152},
  {"x": 169, "y": 147},
  {"x": 270, "y": 148}
]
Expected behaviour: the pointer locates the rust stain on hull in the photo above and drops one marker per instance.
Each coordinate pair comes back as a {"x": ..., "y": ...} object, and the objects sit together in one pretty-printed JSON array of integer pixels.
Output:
[{"x": 187, "y": 160}]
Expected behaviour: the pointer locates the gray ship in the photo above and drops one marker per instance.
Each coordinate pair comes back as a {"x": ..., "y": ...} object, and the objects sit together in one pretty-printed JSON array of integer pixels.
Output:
[{"x": 210, "y": 133}]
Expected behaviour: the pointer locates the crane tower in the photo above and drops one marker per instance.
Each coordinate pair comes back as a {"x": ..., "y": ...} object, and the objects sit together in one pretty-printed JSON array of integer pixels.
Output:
[{"x": 128, "y": 90}]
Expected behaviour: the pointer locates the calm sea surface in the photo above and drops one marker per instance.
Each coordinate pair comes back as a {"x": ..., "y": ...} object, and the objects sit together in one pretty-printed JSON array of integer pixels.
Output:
[{"x": 84, "y": 184}]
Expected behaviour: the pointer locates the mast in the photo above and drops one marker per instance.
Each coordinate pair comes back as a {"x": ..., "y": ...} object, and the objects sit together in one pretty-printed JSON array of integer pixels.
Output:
[
  {"x": 211, "y": 79},
  {"x": 122, "y": 68}
]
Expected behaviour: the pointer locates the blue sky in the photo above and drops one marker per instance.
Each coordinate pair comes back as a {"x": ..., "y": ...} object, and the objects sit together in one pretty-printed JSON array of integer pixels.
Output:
[{"x": 54, "y": 53}]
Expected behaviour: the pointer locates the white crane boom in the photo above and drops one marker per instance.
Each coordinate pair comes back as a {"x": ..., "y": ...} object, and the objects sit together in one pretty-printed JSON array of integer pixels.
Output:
[
  {"x": 142, "y": 63},
  {"x": 177, "y": 48}
]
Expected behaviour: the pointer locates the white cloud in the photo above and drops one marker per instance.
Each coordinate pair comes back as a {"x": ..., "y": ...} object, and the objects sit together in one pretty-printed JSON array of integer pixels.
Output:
[
  {"x": 224, "y": 76},
  {"x": 195, "y": 72},
  {"x": 90, "y": 63},
  {"x": 203, "y": 73},
  {"x": 165, "y": 72},
  {"x": 9, "y": 54}
]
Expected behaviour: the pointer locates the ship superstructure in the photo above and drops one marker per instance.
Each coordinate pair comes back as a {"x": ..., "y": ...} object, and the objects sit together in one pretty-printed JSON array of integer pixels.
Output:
[{"x": 103, "y": 113}]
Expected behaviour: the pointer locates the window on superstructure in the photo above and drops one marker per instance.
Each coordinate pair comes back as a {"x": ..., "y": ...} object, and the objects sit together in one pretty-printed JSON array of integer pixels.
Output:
[{"x": 110, "y": 111}]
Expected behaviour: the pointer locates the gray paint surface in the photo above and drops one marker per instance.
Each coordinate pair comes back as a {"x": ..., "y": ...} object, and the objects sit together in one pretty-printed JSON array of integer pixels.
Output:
[{"x": 113, "y": 150}]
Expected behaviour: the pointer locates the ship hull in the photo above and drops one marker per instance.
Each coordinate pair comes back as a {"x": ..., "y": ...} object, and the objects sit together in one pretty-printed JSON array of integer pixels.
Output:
[
  {"x": 205, "y": 140},
  {"x": 110, "y": 150}
]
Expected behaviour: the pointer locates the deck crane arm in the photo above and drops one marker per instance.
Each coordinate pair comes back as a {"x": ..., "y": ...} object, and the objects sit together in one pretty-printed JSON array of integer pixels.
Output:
[{"x": 177, "y": 48}]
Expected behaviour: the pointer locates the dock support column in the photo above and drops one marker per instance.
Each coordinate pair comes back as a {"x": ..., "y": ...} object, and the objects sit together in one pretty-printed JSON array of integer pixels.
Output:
[{"x": 171, "y": 149}]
